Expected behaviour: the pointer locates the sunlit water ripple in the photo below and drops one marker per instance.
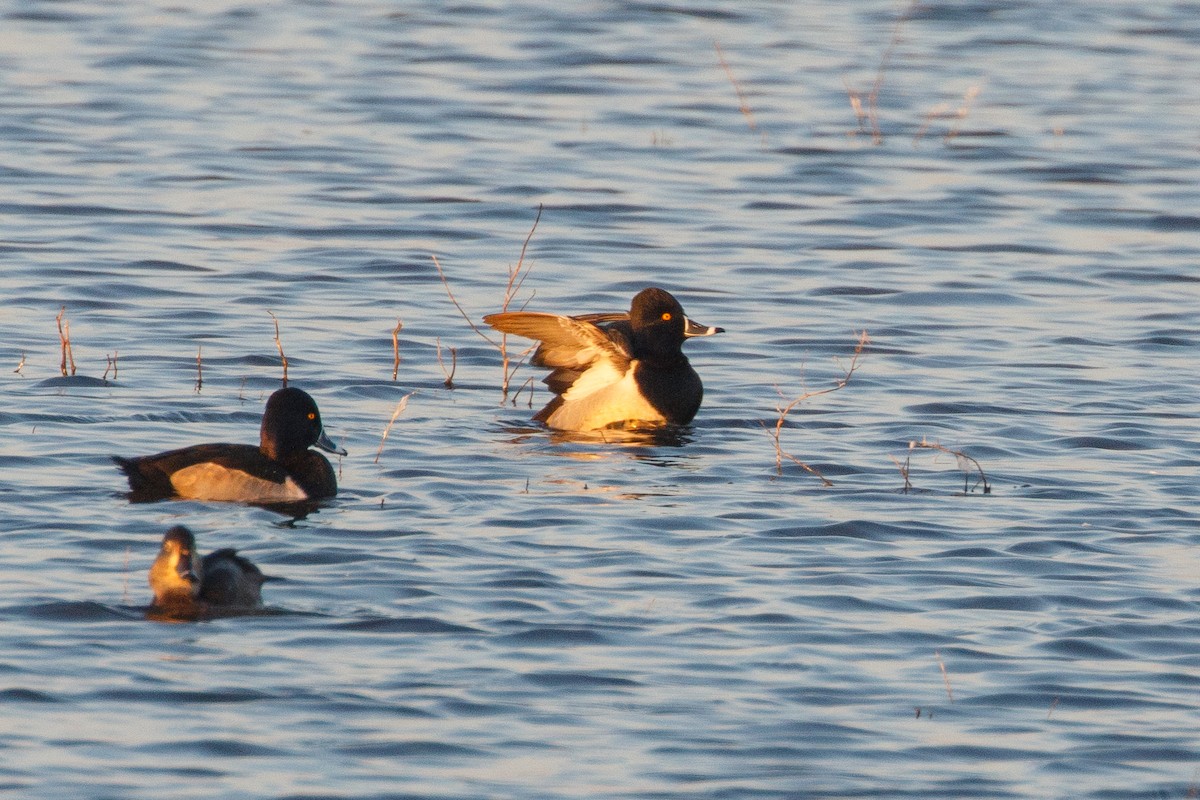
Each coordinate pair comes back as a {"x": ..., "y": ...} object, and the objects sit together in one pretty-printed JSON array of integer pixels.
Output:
[{"x": 489, "y": 610}]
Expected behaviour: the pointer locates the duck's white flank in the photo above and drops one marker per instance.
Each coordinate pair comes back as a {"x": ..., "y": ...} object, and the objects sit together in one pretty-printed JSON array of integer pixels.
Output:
[
  {"x": 604, "y": 396},
  {"x": 209, "y": 481}
]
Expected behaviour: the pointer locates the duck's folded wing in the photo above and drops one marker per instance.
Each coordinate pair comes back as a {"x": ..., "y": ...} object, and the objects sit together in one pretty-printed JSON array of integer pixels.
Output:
[
  {"x": 570, "y": 343},
  {"x": 231, "y": 580},
  {"x": 602, "y": 317}
]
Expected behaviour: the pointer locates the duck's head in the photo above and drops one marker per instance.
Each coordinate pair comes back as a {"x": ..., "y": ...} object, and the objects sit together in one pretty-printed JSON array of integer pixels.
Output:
[
  {"x": 291, "y": 424},
  {"x": 175, "y": 575},
  {"x": 659, "y": 323}
]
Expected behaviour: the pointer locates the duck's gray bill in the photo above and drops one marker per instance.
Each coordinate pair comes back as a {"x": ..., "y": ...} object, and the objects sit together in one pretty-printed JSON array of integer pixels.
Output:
[
  {"x": 327, "y": 444},
  {"x": 696, "y": 329}
]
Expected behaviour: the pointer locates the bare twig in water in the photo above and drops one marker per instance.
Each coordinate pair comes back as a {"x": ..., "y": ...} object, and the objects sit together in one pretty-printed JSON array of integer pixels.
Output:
[
  {"x": 396, "y": 348},
  {"x": 110, "y": 363},
  {"x": 945, "y": 676},
  {"x": 449, "y": 382},
  {"x": 942, "y": 111},
  {"x": 403, "y": 404},
  {"x": 279, "y": 345},
  {"x": 904, "y": 471},
  {"x": 516, "y": 279},
  {"x": 966, "y": 463},
  {"x": 872, "y": 110},
  {"x": 200, "y": 368},
  {"x": 962, "y": 112},
  {"x": 856, "y": 104},
  {"x": 526, "y": 385},
  {"x": 743, "y": 105},
  {"x": 64, "y": 339},
  {"x": 1053, "y": 705},
  {"x": 785, "y": 409},
  {"x": 20, "y": 366}
]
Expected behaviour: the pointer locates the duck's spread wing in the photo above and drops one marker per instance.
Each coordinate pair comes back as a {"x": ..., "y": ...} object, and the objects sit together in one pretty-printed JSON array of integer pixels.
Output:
[
  {"x": 591, "y": 361},
  {"x": 570, "y": 343}
]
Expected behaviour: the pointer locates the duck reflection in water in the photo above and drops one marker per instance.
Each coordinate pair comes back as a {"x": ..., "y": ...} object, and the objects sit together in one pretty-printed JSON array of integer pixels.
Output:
[{"x": 186, "y": 587}]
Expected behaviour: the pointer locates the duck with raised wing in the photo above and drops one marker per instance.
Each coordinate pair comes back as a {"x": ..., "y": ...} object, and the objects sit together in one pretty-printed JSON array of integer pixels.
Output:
[
  {"x": 281, "y": 469},
  {"x": 614, "y": 370}
]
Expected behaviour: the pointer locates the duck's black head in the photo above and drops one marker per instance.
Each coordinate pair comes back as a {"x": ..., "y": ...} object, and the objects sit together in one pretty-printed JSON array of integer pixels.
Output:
[
  {"x": 659, "y": 324},
  {"x": 291, "y": 424}
]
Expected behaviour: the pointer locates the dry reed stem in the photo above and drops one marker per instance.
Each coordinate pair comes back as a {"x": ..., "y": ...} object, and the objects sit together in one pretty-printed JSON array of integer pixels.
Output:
[
  {"x": 64, "y": 339},
  {"x": 856, "y": 105},
  {"x": 942, "y": 111},
  {"x": 516, "y": 279},
  {"x": 904, "y": 472},
  {"x": 279, "y": 346},
  {"x": 785, "y": 409},
  {"x": 945, "y": 676},
  {"x": 526, "y": 385},
  {"x": 965, "y": 463},
  {"x": 403, "y": 404},
  {"x": 454, "y": 300},
  {"x": 396, "y": 348},
  {"x": 110, "y": 362},
  {"x": 449, "y": 382},
  {"x": 872, "y": 111},
  {"x": 20, "y": 366},
  {"x": 199, "y": 368},
  {"x": 963, "y": 110},
  {"x": 743, "y": 105}
]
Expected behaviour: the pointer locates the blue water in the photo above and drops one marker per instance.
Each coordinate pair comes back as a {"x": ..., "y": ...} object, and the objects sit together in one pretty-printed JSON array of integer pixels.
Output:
[{"x": 490, "y": 610}]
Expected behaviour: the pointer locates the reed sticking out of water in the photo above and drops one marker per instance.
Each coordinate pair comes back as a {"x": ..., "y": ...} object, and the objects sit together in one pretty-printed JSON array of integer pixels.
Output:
[
  {"x": 449, "y": 382},
  {"x": 528, "y": 384},
  {"x": 943, "y": 111},
  {"x": 279, "y": 346},
  {"x": 516, "y": 279},
  {"x": 871, "y": 114},
  {"x": 966, "y": 463},
  {"x": 21, "y": 365},
  {"x": 199, "y": 368},
  {"x": 785, "y": 409},
  {"x": 743, "y": 104},
  {"x": 110, "y": 364},
  {"x": 396, "y": 349},
  {"x": 403, "y": 404},
  {"x": 64, "y": 339},
  {"x": 945, "y": 676}
]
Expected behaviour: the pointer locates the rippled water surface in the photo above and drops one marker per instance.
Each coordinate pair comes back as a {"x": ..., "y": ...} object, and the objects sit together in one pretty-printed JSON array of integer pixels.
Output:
[{"x": 489, "y": 610}]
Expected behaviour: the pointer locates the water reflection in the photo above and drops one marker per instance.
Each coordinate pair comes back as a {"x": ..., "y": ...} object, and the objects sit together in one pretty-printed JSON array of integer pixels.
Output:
[{"x": 643, "y": 444}]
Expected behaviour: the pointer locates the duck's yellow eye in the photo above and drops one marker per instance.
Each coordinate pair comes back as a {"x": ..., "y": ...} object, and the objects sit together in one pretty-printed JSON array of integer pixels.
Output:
[
  {"x": 311, "y": 415},
  {"x": 666, "y": 317}
]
